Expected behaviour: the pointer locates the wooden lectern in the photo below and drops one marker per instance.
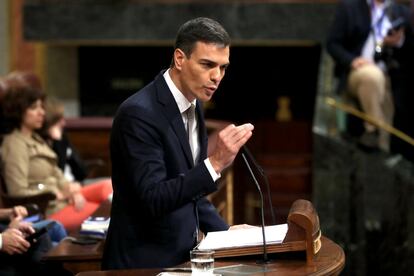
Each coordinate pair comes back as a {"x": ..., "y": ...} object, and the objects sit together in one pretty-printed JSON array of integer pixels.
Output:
[
  {"x": 304, "y": 231},
  {"x": 303, "y": 234}
]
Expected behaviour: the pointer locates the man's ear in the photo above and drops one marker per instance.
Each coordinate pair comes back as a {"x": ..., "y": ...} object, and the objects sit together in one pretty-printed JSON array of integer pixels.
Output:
[{"x": 179, "y": 57}]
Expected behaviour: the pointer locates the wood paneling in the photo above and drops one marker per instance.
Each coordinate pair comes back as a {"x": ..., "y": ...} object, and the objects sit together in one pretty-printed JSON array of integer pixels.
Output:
[
  {"x": 284, "y": 151},
  {"x": 90, "y": 137}
]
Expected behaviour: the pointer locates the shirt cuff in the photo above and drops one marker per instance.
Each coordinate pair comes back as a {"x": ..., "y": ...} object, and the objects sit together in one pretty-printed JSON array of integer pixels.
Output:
[
  {"x": 1, "y": 241},
  {"x": 211, "y": 170}
]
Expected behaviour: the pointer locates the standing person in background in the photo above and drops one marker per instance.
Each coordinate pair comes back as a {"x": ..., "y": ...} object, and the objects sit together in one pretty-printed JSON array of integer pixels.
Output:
[
  {"x": 160, "y": 172},
  {"x": 370, "y": 55}
]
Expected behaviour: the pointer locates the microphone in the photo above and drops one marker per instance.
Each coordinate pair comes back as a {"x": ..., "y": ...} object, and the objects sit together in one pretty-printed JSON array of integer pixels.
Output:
[
  {"x": 265, "y": 258},
  {"x": 262, "y": 172}
]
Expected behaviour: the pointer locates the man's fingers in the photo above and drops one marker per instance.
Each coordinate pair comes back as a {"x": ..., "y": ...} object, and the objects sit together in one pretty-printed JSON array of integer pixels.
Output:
[
  {"x": 241, "y": 134},
  {"x": 244, "y": 139},
  {"x": 236, "y": 136},
  {"x": 244, "y": 130},
  {"x": 234, "y": 133},
  {"x": 228, "y": 144}
]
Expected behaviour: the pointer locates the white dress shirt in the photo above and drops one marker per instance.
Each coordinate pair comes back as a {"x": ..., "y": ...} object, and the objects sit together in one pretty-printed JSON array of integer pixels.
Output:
[
  {"x": 183, "y": 104},
  {"x": 380, "y": 25}
]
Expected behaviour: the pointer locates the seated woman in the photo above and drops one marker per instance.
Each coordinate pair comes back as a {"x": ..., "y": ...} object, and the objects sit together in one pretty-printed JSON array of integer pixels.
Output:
[
  {"x": 69, "y": 161},
  {"x": 30, "y": 165}
]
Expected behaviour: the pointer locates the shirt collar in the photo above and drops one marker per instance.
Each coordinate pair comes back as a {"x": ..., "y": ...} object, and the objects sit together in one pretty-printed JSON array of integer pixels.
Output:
[
  {"x": 182, "y": 102},
  {"x": 382, "y": 6}
]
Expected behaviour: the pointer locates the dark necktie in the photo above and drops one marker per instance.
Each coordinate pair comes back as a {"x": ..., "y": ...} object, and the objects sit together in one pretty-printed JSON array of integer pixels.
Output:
[
  {"x": 190, "y": 134},
  {"x": 190, "y": 128}
]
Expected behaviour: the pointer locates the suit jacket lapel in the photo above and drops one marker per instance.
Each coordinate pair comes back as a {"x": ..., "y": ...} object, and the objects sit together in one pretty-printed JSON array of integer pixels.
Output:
[{"x": 173, "y": 114}]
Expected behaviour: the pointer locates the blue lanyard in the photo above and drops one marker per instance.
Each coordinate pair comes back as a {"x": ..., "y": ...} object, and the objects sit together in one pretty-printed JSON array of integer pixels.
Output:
[{"x": 377, "y": 26}]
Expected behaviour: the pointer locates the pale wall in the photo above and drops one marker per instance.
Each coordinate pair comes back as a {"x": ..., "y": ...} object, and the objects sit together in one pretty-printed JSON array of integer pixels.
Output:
[{"x": 4, "y": 37}]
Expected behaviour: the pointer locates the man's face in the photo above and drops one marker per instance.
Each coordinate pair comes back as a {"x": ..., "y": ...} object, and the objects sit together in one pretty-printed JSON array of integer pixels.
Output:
[{"x": 202, "y": 71}]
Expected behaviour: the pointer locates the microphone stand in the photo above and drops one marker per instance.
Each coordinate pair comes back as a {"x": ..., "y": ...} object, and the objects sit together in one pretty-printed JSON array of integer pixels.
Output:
[
  {"x": 265, "y": 258},
  {"x": 262, "y": 172}
]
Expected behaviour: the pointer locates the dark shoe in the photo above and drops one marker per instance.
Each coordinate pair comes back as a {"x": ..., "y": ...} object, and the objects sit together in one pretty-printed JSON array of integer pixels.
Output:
[{"x": 369, "y": 141}]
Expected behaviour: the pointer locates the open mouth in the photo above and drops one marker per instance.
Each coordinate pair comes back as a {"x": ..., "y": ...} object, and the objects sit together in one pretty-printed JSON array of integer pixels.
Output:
[{"x": 211, "y": 89}]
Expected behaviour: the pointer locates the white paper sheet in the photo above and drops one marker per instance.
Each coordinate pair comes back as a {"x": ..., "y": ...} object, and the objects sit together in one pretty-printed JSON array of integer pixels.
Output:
[{"x": 244, "y": 237}]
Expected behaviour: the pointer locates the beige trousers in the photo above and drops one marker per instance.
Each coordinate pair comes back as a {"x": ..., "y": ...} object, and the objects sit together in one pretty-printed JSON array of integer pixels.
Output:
[{"x": 371, "y": 87}]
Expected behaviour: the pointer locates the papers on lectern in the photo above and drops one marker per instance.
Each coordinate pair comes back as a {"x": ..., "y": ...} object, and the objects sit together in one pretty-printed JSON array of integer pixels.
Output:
[{"x": 275, "y": 234}]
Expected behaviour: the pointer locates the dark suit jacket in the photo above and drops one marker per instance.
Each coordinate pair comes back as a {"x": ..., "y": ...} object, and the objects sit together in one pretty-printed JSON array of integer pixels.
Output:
[
  {"x": 157, "y": 190},
  {"x": 350, "y": 30}
]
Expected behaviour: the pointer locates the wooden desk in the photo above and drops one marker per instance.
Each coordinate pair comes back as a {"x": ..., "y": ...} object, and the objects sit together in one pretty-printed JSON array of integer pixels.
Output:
[
  {"x": 329, "y": 261},
  {"x": 75, "y": 257}
]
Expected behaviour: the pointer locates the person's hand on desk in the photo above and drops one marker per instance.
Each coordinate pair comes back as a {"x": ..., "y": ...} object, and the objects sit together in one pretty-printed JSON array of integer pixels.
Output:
[
  {"x": 241, "y": 226},
  {"x": 14, "y": 242}
]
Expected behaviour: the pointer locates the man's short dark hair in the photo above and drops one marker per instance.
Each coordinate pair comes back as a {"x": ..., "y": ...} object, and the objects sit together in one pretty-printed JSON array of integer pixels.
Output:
[{"x": 200, "y": 29}]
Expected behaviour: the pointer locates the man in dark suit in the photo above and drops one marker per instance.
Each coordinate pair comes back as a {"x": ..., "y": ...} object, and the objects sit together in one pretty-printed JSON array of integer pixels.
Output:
[
  {"x": 160, "y": 172},
  {"x": 370, "y": 55}
]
